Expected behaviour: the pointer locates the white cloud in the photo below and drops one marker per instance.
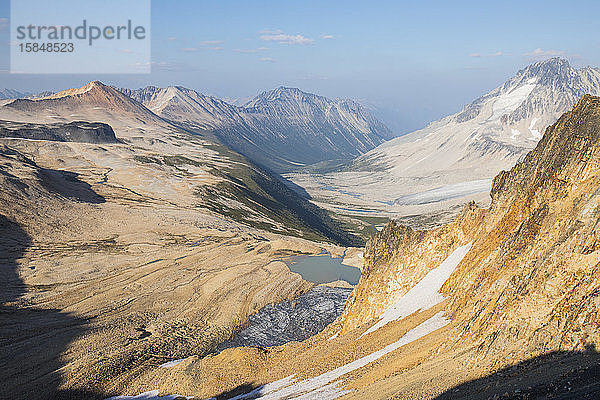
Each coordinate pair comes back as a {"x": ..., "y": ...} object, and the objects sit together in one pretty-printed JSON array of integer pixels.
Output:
[
  {"x": 196, "y": 49},
  {"x": 327, "y": 37},
  {"x": 496, "y": 54},
  {"x": 211, "y": 42},
  {"x": 537, "y": 53},
  {"x": 251, "y": 51},
  {"x": 266, "y": 59},
  {"x": 283, "y": 38},
  {"x": 270, "y": 31}
]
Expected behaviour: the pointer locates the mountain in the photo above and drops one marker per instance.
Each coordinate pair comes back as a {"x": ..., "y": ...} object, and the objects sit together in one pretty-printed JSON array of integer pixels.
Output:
[
  {"x": 454, "y": 159},
  {"x": 200, "y": 171},
  {"x": 12, "y": 94},
  {"x": 282, "y": 129},
  {"x": 501, "y": 303}
]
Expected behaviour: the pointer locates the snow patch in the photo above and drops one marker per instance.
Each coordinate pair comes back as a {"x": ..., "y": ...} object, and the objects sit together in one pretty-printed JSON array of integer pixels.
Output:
[
  {"x": 151, "y": 395},
  {"x": 534, "y": 132},
  {"x": 510, "y": 101},
  {"x": 173, "y": 363},
  {"x": 514, "y": 133},
  {"x": 424, "y": 294}
]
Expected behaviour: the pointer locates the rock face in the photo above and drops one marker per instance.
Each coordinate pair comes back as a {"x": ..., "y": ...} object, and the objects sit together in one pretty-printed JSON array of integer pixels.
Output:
[
  {"x": 77, "y": 131},
  {"x": 282, "y": 129},
  {"x": 529, "y": 283}
]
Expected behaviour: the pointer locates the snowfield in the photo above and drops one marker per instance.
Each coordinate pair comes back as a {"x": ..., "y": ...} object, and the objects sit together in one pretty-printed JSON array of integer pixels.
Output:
[{"x": 424, "y": 294}]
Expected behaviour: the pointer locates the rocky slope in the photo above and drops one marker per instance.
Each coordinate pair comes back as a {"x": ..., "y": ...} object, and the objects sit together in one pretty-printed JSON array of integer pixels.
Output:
[
  {"x": 529, "y": 283},
  {"x": 501, "y": 303},
  {"x": 453, "y": 160},
  {"x": 282, "y": 129}
]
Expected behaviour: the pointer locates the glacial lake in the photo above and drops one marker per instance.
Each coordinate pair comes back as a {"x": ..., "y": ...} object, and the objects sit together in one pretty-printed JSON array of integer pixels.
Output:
[{"x": 323, "y": 269}]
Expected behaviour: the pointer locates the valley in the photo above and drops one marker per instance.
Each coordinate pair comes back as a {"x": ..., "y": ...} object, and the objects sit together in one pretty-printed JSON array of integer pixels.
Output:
[
  {"x": 432, "y": 172},
  {"x": 160, "y": 243}
]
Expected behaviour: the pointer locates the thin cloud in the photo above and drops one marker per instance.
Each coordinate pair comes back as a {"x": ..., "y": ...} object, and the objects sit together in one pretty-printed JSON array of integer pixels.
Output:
[
  {"x": 539, "y": 53},
  {"x": 284, "y": 38},
  {"x": 197, "y": 49},
  {"x": 172, "y": 39},
  {"x": 496, "y": 54},
  {"x": 211, "y": 42},
  {"x": 251, "y": 51},
  {"x": 270, "y": 31},
  {"x": 266, "y": 59},
  {"x": 327, "y": 37}
]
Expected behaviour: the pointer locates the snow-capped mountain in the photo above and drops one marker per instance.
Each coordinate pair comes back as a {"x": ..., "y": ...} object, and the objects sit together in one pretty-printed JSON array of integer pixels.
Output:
[
  {"x": 282, "y": 129},
  {"x": 492, "y": 132},
  {"x": 455, "y": 158}
]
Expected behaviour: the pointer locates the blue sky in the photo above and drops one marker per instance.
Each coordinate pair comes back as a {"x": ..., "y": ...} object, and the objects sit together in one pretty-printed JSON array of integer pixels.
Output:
[{"x": 415, "y": 61}]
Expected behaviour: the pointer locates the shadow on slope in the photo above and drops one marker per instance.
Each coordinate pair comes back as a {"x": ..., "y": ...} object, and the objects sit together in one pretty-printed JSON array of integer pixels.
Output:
[
  {"x": 240, "y": 390},
  {"x": 556, "y": 375},
  {"x": 32, "y": 339},
  {"x": 68, "y": 184}
]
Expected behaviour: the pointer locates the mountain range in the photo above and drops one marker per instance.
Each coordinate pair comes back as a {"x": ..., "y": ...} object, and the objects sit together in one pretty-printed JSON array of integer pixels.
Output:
[
  {"x": 230, "y": 185},
  {"x": 454, "y": 159},
  {"x": 138, "y": 234},
  {"x": 282, "y": 129}
]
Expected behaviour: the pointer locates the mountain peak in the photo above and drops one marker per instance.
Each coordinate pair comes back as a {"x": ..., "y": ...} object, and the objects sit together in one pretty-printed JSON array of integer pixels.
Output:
[
  {"x": 552, "y": 62},
  {"x": 549, "y": 71},
  {"x": 91, "y": 86},
  {"x": 279, "y": 93}
]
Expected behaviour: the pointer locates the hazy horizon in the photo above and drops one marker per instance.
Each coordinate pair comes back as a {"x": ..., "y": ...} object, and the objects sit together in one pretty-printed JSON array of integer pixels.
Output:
[{"x": 414, "y": 63}]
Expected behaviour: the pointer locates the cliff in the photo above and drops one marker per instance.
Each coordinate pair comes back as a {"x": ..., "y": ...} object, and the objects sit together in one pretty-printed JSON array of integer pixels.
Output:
[{"x": 530, "y": 282}]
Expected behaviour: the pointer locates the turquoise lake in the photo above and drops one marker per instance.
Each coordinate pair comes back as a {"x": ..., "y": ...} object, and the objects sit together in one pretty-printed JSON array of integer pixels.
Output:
[{"x": 324, "y": 269}]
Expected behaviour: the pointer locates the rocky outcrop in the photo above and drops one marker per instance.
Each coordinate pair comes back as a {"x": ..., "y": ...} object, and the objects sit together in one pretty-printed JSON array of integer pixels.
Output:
[
  {"x": 529, "y": 283},
  {"x": 77, "y": 131}
]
